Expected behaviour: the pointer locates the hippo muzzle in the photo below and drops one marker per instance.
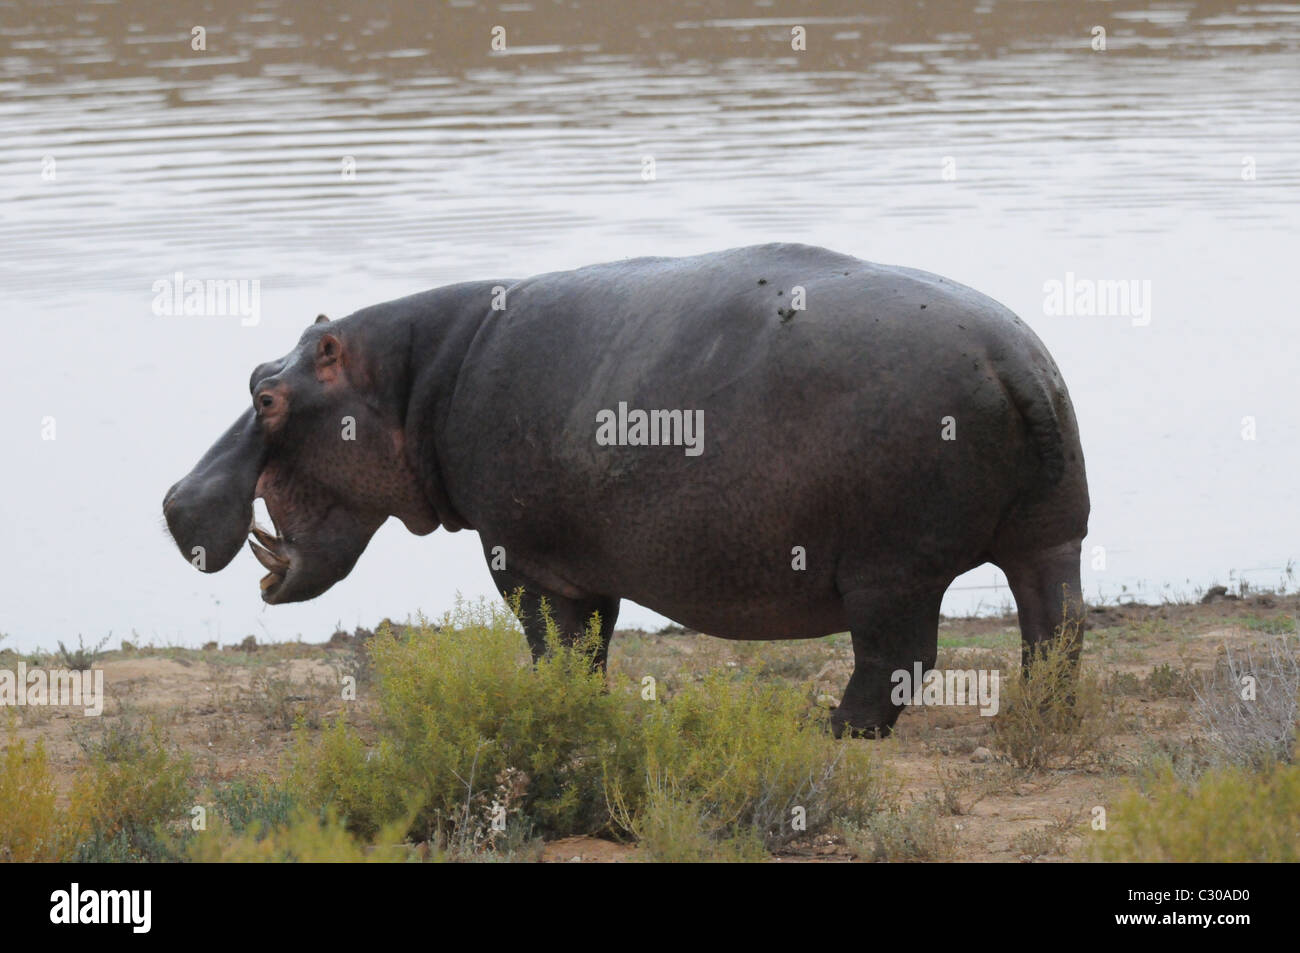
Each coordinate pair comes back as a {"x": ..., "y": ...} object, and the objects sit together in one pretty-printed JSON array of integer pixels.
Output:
[{"x": 209, "y": 512}]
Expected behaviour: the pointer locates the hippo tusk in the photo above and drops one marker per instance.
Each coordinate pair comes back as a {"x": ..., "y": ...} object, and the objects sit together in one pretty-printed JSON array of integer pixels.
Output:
[
  {"x": 272, "y": 561},
  {"x": 264, "y": 537}
]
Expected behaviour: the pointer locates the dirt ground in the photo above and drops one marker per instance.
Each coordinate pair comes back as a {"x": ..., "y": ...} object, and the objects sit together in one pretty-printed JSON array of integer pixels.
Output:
[{"x": 233, "y": 709}]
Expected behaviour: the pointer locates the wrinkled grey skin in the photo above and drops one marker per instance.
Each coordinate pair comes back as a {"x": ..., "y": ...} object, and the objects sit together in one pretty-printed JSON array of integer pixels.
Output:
[{"x": 823, "y": 429}]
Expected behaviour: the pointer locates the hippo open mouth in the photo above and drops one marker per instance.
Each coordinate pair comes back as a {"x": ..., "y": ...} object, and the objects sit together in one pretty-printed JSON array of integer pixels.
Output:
[{"x": 328, "y": 466}]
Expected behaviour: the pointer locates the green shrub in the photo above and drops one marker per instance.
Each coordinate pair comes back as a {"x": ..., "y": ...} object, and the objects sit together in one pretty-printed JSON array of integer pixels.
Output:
[
  {"x": 918, "y": 832},
  {"x": 472, "y": 730},
  {"x": 1055, "y": 715},
  {"x": 128, "y": 796},
  {"x": 129, "y": 789},
  {"x": 748, "y": 758},
  {"x": 254, "y": 805},
  {"x": 1167, "y": 682},
  {"x": 305, "y": 838},
  {"x": 1231, "y": 815},
  {"x": 31, "y": 826},
  {"x": 82, "y": 657},
  {"x": 671, "y": 830}
]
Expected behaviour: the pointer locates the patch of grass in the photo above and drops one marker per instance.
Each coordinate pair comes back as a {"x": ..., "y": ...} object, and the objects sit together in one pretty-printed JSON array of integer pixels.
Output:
[
  {"x": 281, "y": 702},
  {"x": 1275, "y": 625},
  {"x": 1186, "y": 759},
  {"x": 1231, "y": 815},
  {"x": 960, "y": 789},
  {"x": 1050, "y": 840},
  {"x": 1164, "y": 681},
  {"x": 1123, "y": 683},
  {"x": 673, "y": 830},
  {"x": 82, "y": 658},
  {"x": 306, "y": 838},
  {"x": 1000, "y": 639},
  {"x": 259, "y": 805},
  {"x": 919, "y": 832}
]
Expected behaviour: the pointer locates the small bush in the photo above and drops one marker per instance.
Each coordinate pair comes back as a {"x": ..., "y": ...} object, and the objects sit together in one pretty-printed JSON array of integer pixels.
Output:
[
  {"x": 672, "y": 830},
  {"x": 31, "y": 826},
  {"x": 126, "y": 793},
  {"x": 254, "y": 805},
  {"x": 748, "y": 757},
  {"x": 1231, "y": 815},
  {"x": 918, "y": 832},
  {"x": 1124, "y": 683},
  {"x": 281, "y": 702},
  {"x": 1055, "y": 715},
  {"x": 83, "y": 658},
  {"x": 464, "y": 711},
  {"x": 1248, "y": 703},
  {"x": 1165, "y": 681},
  {"x": 1050, "y": 840},
  {"x": 124, "y": 796}
]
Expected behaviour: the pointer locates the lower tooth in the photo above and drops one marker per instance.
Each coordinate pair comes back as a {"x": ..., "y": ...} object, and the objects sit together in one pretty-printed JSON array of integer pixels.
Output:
[{"x": 269, "y": 580}]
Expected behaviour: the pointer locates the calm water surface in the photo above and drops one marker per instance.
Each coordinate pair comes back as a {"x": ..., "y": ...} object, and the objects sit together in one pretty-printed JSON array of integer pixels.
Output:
[{"x": 129, "y": 157}]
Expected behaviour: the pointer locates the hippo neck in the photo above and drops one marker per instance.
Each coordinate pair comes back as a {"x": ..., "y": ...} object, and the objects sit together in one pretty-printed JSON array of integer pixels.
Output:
[{"x": 422, "y": 341}]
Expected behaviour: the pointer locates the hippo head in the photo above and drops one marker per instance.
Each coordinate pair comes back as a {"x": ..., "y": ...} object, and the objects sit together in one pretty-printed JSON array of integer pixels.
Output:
[{"x": 322, "y": 445}]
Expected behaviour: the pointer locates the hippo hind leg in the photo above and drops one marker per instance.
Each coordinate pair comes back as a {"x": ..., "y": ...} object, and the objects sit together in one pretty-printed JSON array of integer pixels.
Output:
[
  {"x": 892, "y": 630},
  {"x": 1048, "y": 595}
]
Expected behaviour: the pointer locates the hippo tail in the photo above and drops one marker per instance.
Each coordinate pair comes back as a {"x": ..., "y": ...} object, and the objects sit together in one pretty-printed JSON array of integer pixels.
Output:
[{"x": 1047, "y": 415}]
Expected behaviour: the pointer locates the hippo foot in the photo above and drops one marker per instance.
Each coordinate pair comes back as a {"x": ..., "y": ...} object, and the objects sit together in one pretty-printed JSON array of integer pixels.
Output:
[{"x": 859, "y": 726}]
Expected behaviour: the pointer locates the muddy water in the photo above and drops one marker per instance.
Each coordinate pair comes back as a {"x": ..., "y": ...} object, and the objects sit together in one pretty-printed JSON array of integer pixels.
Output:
[{"x": 339, "y": 159}]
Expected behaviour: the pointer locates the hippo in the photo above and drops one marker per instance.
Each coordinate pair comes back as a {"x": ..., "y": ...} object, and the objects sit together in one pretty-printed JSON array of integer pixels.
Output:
[{"x": 770, "y": 442}]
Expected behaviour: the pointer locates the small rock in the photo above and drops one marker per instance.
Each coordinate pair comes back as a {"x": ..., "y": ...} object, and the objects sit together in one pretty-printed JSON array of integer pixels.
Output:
[
  {"x": 575, "y": 859},
  {"x": 981, "y": 755}
]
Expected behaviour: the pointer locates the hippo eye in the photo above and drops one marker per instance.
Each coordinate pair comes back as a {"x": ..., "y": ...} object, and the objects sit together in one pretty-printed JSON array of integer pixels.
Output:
[{"x": 266, "y": 400}]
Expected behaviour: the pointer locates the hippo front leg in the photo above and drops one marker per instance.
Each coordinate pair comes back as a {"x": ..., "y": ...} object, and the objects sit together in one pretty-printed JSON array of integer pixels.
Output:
[
  {"x": 891, "y": 632},
  {"x": 571, "y": 615}
]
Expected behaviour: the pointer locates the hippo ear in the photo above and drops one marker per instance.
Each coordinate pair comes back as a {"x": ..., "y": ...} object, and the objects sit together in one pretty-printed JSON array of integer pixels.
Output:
[
  {"x": 321, "y": 319},
  {"x": 329, "y": 354}
]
